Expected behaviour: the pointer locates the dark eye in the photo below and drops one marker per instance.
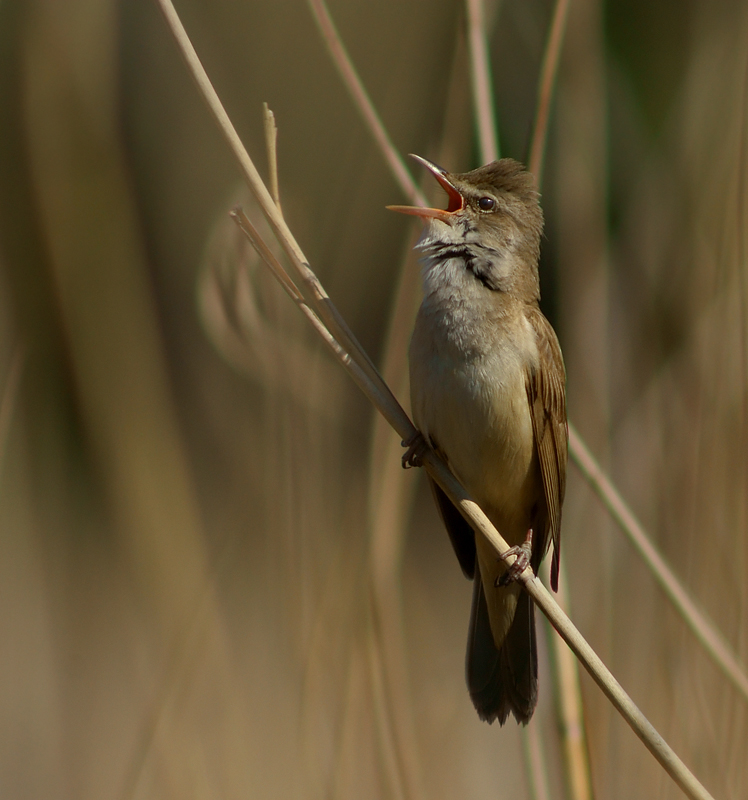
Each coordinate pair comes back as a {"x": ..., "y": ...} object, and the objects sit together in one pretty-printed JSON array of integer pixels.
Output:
[{"x": 486, "y": 204}]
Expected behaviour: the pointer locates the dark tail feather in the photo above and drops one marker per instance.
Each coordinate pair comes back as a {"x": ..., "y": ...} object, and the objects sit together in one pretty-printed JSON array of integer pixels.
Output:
[{"x": 505, "y": 679}]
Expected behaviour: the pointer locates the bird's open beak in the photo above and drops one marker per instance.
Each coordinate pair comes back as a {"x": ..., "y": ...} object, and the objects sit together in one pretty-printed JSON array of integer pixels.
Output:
[{"x": 456, "y": 201}]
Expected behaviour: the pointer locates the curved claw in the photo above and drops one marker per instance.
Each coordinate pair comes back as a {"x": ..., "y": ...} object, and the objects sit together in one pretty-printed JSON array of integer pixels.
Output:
[
  {"x": 417, "y": 446},
  {"x": 523, "y": 552}
]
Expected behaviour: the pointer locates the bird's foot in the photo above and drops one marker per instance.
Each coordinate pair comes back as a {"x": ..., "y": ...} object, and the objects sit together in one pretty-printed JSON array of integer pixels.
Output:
[
  {"x": 523, "y": 552},
  {"x": 417, "y": 446}
]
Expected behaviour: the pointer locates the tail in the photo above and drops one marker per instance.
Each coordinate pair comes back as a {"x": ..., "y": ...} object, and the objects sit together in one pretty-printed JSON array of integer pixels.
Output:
[{"x": 502, "y": 679}]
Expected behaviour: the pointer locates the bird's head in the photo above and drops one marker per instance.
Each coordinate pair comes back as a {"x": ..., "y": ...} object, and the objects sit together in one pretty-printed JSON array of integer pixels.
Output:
[{"x": 495, "y": 208}]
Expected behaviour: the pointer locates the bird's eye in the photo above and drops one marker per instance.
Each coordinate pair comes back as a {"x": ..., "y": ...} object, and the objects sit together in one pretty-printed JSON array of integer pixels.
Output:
[{"x": 486, "y": 204}]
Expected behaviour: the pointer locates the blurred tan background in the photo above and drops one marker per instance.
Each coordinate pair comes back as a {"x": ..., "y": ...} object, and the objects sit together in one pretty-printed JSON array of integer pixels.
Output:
[{"x": 189, "y": 497}]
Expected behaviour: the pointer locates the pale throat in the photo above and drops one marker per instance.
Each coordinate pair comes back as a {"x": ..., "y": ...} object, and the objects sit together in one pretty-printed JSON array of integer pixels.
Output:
[{"x": 457, "y": 259}]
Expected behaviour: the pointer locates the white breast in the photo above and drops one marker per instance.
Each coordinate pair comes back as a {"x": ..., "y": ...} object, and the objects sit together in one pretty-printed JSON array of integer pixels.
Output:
[{"x": 468, "y": 359}]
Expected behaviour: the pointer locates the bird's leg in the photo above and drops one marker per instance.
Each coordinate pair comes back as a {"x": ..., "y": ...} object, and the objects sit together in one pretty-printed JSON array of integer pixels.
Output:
[
  {"x": 417, "y": 446},
  {"x": 523, "y": 553}
]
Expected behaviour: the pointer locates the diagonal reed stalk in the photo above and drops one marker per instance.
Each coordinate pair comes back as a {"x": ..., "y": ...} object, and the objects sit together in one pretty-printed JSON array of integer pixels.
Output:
[{"x": 344, "y": 347}]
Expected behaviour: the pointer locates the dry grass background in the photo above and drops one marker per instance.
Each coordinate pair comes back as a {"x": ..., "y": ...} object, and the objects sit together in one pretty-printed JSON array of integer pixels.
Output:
[{"x": 187, "y": 500}]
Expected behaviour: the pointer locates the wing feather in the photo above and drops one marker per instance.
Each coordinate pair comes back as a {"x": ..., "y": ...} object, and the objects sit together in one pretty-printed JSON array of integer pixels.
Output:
[{"x": 547, "y": 397}]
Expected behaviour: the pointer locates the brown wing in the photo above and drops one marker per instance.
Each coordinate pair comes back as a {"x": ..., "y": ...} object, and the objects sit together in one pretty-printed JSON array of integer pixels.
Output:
[{"x": 546, "y": 393}]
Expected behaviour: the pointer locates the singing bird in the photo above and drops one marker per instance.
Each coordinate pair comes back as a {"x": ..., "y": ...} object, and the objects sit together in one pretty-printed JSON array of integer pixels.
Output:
[{"x": 487, "y": 386}]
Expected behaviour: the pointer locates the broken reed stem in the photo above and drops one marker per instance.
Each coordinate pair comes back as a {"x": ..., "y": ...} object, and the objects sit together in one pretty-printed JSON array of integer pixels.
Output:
[
  {"x": 271, "y": 143},
  {"x": 267, "y": 255},
  {"x": 283, "y": 278},
  {"x": 358, "y": 365}
]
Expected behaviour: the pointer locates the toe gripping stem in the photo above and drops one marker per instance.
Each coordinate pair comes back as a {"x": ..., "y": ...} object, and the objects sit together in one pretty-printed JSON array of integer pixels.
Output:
[
  {"x": 417, "y": 446},
  {"x": 523, "y": 552}
]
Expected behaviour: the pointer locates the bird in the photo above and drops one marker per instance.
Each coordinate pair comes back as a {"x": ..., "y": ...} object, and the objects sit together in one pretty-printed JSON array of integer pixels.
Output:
[{"x": 488, "y": 395}]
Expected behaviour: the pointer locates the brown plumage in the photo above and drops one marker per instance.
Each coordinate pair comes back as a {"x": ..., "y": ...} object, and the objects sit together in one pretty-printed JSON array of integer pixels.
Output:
[{"x": 487, "y": 392}]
